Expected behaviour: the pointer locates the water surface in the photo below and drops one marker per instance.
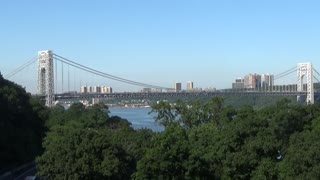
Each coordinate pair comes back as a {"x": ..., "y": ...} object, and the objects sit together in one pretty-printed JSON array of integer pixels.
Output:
[{"x": 139, "y": 117}]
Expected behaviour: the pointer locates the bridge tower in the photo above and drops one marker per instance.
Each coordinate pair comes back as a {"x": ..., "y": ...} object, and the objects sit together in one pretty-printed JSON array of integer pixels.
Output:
[
  {"x": 305, "y": 69},
  {"x": 45, "y": 76}
]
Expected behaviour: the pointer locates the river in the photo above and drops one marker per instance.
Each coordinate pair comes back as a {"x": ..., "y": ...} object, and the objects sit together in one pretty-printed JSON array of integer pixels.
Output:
[{"x": 139, "y": 117}]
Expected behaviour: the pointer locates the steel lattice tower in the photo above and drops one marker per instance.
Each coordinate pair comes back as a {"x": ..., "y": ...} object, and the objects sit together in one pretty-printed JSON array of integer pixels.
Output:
[
  {"x": 46, "y": 76},
  {"x": 305, "y": 69}
]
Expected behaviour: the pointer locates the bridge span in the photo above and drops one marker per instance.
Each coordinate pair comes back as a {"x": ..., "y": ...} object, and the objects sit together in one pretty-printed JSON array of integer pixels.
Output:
[
  {"x": 48, "y": 81},
  {"x": 81, "y": 96}
]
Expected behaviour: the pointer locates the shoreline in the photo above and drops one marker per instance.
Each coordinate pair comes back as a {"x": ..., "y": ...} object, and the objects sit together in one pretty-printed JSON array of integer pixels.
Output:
[{"x": 129, "y": 107}]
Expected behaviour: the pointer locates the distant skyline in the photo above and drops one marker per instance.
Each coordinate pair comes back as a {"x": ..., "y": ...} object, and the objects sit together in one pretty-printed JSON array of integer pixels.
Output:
[{"x": 161, "y": 42}]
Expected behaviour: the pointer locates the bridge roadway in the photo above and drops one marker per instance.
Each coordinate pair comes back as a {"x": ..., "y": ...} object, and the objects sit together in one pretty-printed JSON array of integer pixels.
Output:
[{"x": 175, "y": 94}]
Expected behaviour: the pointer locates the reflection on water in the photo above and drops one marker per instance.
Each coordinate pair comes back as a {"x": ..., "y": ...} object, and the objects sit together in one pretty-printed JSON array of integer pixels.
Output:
[{"x": 139, "y": 117}]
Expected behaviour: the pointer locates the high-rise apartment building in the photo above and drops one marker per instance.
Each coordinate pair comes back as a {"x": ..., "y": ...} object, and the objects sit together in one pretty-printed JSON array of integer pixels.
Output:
[
  {"x": 189, "y": 85},
  {"x": 267, "y": 80},
  {"x": 105, "y": 89},
  {"x": 102, "y": 89},
  {"x": 110, "y": 90},
  {"x": 96, "y": 89},
  {"x": 89, "y": 89},
  {"x": 83, "y": 89},
  {"x": 252, "y": 81},
  {"x": 238, "y": 84},
  {"x": 177, "y": 86},
  {"x": 258, "y": 80}
]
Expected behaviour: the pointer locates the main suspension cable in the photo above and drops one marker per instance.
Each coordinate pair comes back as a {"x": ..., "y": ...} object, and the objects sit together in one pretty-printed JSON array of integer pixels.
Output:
[
  {"x": 281, "y": 74},
  {"x": 19, "y": 69},
  {"x": 85, "y": 68}
]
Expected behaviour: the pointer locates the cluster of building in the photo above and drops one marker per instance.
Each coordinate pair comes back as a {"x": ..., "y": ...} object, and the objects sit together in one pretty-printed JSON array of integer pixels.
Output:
[
  {"x": 190, "y": 88},
  {"x": 177, "y": 87},
  {"x": 148, "y": 90},
  {"x": 95, "y": 89},
  {"x": 253, "y": 81}
]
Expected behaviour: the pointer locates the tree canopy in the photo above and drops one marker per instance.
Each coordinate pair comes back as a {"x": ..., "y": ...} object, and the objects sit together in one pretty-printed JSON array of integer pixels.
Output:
[
  {"x": 21, "y": 125},
  {"x": 201, "y": 140}
]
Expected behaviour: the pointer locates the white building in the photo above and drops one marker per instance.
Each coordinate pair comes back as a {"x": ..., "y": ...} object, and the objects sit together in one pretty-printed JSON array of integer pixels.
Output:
[
  {"x": 89, "y": 89},
  {"x": 83, "y": 89},
  {"x": 96, "y": 89},
  {"x": 95, "y": 101},
  {"x": 267, "y": 80},
  {"x": 189, "y": 85},
  {"x": 105, "y": 89}
]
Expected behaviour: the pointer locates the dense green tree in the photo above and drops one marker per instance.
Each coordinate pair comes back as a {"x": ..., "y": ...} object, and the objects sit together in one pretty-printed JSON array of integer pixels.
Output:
[
  {"x": 21, "y": 125},
  {"x": 236, "y": 144},
  {"x": 96, "y": 116},
  {"x": 75, "y": 153},
  {"x": 189, "y": 114},
  {"x": 90, "y": 144},
  {"x": 116, "y": 123},
  {"x": 205, "y": 160},
  {"x": 55, "y": 116},
  {"x": 77, "y": 114},
  {"x": 201, "y": 140},
  {"x": 168, "y": 156},
  {"x": 165, "y": 113},
  {"x": 302, "y": 160}
]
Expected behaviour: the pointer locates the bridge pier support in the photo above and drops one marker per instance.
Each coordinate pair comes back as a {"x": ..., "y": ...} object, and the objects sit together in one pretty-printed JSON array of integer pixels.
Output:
[
  {"x": 305, "y": 69},
  {"x": 45, "y": 76}
]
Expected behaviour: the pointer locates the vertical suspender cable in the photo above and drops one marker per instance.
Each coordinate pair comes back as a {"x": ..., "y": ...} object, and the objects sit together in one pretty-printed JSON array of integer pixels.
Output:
[
  {"x": 74, "y": 79},
  {"x": 56, "y": 73},
  {"x": 68, "y": 80},
  {"x": 62, "y": 77}
]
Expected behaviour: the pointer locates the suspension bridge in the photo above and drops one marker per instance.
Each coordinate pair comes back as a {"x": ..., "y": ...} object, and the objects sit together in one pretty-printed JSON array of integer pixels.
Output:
[{"x": 49, "y": 77}]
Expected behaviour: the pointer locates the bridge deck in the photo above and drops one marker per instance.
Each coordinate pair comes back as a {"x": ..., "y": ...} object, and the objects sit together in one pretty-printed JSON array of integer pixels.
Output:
[{"x": 176, "y": 94}]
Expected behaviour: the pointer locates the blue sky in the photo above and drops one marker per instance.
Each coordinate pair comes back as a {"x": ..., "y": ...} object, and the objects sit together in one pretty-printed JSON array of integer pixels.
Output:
[{"x": 160, "y": 42}]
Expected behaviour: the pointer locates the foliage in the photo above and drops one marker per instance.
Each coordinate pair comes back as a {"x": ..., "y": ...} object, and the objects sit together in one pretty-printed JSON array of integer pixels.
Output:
[
  {"x": 276, "y": 142},
  {"x": 74, "y": 153},
  {"x": 303, "y": 154},
  {"x": 85, "y": 143},
  {"x": 167, "y": 157},
  {"x": 92, "y": 117},
  {"x": 188, "y": 114},
  {"x": 21, "y": 125},
  {"x": 202, "y": 140}
]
